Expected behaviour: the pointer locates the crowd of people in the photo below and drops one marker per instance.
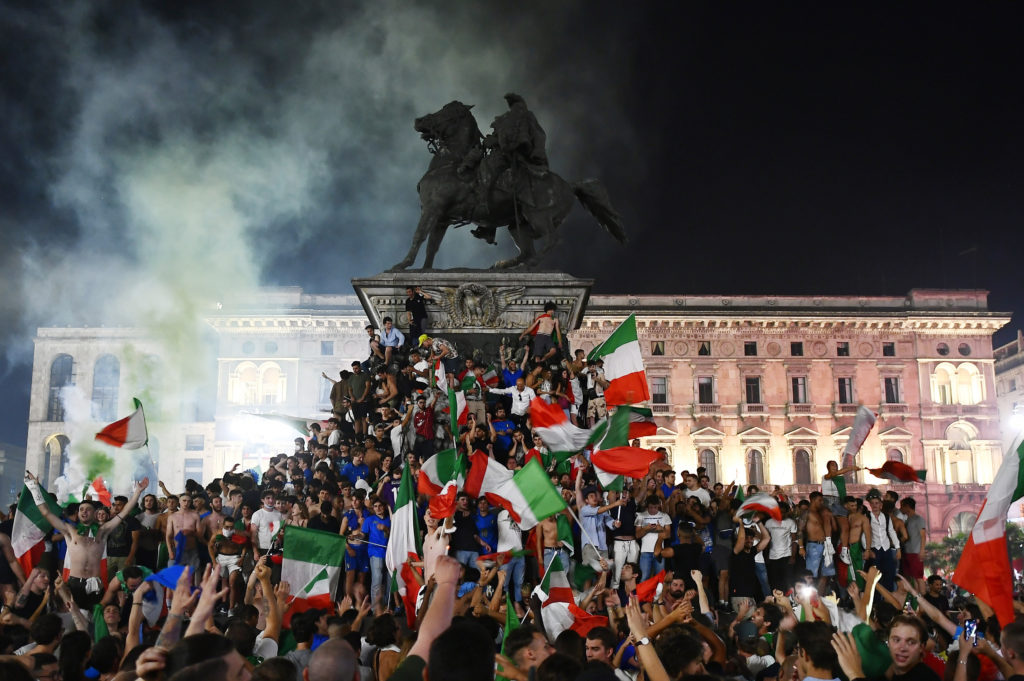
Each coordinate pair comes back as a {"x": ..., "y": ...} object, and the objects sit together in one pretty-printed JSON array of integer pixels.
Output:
[{"x": 669, "y": 578}]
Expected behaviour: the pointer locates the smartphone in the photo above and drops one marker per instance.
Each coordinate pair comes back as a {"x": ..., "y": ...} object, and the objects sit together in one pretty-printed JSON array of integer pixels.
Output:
[{"x": 971, "y": 631}]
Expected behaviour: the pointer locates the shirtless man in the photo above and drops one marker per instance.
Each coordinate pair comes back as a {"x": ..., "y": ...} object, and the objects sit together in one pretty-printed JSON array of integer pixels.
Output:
[
  {"x": 859, "y": 527},
  {"x": 548, "y": 544},
  {"x": 160, "y": 527},
  {"x": 818, "y": 526},
  {"x": 833, "y": 487},
  {"x": 186, "y": 522},
  {"x": 542, "y": 329},
  {"x": 86, "y": 542},
  {"x": 213, "y": 521},
  {"x": 228, "y": 554}
]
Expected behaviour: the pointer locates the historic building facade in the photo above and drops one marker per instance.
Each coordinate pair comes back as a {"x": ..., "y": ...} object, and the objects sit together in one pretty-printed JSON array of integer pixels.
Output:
[
  {"x": 757, "y": 389},
  {"x": 1010, "y": 387}
]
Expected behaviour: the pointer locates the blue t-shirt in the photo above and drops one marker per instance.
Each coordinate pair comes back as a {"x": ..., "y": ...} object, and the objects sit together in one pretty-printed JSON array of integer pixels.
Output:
[
  {"x": 356, "y": 472},
  {"x": 487, "y": 529},
  {"x": 504, "y": 441},
  {"x": 354, "y": 523},
  {"x": 667, "y": 490},
  {"x": 376, "y": 536},
  {"x": 510, "y": 376}
]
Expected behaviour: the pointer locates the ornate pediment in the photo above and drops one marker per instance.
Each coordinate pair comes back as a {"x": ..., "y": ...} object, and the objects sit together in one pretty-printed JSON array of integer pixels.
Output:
[
  {"x": 755, "y": 434},
  {"x": 707, "y": 433},
  {"x": 802, "y": 433},
  {"x": 896, "y": 433}
]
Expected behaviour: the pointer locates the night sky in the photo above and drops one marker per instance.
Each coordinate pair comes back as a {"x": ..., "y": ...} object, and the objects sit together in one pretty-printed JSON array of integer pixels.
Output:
[{"x": 159, "y": 157}]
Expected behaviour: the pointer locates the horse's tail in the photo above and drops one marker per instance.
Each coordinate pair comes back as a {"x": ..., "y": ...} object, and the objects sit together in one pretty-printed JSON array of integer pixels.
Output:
[{"x": 594, "y": 197}]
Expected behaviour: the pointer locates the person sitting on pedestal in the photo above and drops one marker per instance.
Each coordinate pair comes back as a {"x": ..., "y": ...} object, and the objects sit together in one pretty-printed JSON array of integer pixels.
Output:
[{"x": 546, "y": 333}]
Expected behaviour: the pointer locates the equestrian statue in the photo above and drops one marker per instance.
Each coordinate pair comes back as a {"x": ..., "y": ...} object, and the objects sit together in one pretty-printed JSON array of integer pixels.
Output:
[{"x": 501, "y": 180}]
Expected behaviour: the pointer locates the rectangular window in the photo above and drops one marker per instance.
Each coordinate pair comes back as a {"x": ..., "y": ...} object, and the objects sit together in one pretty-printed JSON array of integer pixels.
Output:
[
  {"x": 750, "y": 348},
  {"x": 1013, "y": 384},
  {"x": 326, "y": 347},
  {"x": 888, "y": 349},
  {"x": 842, "y": 349},
  {"x": 195, "y": 443},
  {"x": 892, "y": 390},
  {"x": 657, "y": 348},
  {"x": 753, "y": 385},
  {"x": 193, "y": 470},
  {"x": 796, "y": 349},
  {"x": 799, "y": 389},
  {"x": 325, "y": 391},
  {"x": 704, "y": 348},
  {"x": 706, "y": 389},
  {"x": 659, "y": 390},
  {"x": 845, "y": 390}
]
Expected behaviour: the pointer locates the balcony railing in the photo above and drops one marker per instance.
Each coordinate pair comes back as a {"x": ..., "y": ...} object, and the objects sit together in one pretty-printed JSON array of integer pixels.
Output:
[
  {"x": 707, "y": 409},
  {"x": 661, "y": 409},
  {"x": 753, "y": 408},
  {"x": 847, "y": 408},
  {"x": 801, "y": 408},
  {"x": 893, "y": 408}
]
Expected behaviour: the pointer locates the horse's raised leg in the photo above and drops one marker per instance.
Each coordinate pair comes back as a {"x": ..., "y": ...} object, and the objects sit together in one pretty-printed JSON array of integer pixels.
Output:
[
  {"x": 524, "y": 242},
  {"x": 426, "y": 225}
]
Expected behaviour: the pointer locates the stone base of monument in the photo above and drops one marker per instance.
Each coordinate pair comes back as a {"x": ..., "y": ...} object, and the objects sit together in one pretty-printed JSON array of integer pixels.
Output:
[{"x": 475, "y": 309}]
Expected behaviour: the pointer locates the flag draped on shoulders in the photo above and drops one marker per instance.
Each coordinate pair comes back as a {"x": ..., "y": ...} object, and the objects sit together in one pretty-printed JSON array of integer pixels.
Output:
[
  {"x": 30, "y": 528},
  {"x": 128, "y": 433},
  {"x": 311, "y": 564},
  {"x": 984, "y": 567},
  {"x": 623, "y": 366},
  {"x": 404, "y": 544}
]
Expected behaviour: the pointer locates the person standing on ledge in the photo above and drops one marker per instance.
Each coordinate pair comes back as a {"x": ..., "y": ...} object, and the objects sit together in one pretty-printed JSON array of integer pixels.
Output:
[
  {"x": 416, "y": 312},
  {"x": 545, "y": 330},
  {"x": 85, "y": 542}
]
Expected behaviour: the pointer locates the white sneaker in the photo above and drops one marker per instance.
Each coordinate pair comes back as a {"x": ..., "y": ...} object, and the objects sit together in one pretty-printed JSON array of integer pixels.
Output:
[{"x": 844, "y": 555}]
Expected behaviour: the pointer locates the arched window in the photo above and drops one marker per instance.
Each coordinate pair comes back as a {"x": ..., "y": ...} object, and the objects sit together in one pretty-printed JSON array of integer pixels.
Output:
[
  {"x": 894, "y": 455},
  {"x": 272, "y": 385},
  {"x": 970, "y": 388},
  {"x": 61, "y": 376},
  {"x": 942, "y": 383},
  {"x": 802, "y": 466},
  {"x": 55, "y": 449},
  {"x": 105, "y": 379},
  {"x": 709, "y": 461},
  {"x": 243, "y": 386},
  {"x": 755, "y": 467},
  {"x": 962, "y": 523}
]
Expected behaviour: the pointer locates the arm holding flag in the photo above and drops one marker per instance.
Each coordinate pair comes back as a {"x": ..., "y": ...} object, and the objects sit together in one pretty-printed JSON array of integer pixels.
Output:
[
  {"x": 441, "y": 608},
  {"x": 32, "y": 482}
]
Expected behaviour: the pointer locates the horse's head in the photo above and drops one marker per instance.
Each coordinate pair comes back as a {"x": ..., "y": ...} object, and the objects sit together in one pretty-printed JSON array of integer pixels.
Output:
[{"x": 440, "y": 127}]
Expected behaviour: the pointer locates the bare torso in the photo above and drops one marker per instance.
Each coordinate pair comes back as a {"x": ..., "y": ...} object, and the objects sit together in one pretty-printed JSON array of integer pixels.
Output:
[
  {"x": 85, "y": 555},
  {"x": 186, "y": 522}
]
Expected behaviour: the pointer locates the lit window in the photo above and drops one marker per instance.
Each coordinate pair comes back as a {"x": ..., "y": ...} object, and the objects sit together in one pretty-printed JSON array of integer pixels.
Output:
[
  {"x": 105, "y": 379},
  {"x": 755, "y": 467},
  {"x": 708, "y": 461},
  {"x": 802, "y": 466}
]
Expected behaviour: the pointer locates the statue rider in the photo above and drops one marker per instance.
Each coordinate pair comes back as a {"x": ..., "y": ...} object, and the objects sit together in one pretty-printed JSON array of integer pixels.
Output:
[{"x": 520, "y": 143}]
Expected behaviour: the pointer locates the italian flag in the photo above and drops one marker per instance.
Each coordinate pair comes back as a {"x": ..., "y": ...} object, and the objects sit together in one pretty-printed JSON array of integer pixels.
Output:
[
  {"x": 897, "y": 471},
  {"x": 762, "y": 503},
  {"x": 98, "y": 491},
  {"x": 984, "y": 567},
  {"x": 466, "y": 379},
  {"x": 30, "y": 528},
  {"x": 490, "y": 377},
  {"x": 438, "y": 378},
  {"x": 612, "y": 456},
  {"x": 404, "y": 544},
  {"x": 438, "y": 470},
  {"x": 128, "y": 433},
  {"x": 558, "y": 605},
  {"x": 561, "y": 437},
  {"x": 647, "y": 589},
  {"x": 623, "y": 366},
  {"x": 641, "y": 421},
  {"x": 863, "y": 422},
  {"x": 458, "y": 410},
  {"x": 311, "y": 564},
  {"x": 528, "y": 495}
]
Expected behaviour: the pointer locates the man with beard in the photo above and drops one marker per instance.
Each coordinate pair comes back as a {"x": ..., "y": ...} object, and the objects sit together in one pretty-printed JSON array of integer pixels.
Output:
[
  {"x": 160, "y": 529},
  {"x": 85, "y": 542},
  {"x": 149, "y": 535},
  {"x": 123, "y": 541},
  {"x": 214, "y": 520},
  {"x": 180, "y": 537}
]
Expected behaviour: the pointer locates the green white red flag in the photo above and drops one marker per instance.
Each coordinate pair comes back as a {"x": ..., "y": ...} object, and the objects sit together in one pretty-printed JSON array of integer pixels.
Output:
[
  {"x": 458, "y": 410},
  {"x": 439, "y": 469},
  {"x": 641, "y": 421},
  {"x": 623, "y": 366},
  {"x": 527, "y": 495},
  {"x": 762, "y": 503},
  {"x": 561, "y": 437},
  {"x": 128, "y": 433},
  {"x": 863, "y": 422},
  {"x": 612, "y": 456},
  {"x": 897, "y": 471},
  {"x": 404, "y": 544},
  {"x": 438, "y": 377},
  {"x": 984, "y": 567},
  {"x": 311, "y": 564},
  {"x": 490, "y": 377},
  {"x": 558, "y": 604},
  {"x": 30, "y": 529}
]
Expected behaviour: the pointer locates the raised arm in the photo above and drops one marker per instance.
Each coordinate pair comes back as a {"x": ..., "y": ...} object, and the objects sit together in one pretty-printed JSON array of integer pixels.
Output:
[
  {"x": 112, "y": 524},
  {"x": 32, "y": 482},
  {"x": 440, "y": 611},
  {"x": 933, "y": 613}
]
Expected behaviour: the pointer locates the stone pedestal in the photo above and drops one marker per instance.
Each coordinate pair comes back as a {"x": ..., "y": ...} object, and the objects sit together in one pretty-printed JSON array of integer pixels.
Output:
[{"x": 476, "y": 308}]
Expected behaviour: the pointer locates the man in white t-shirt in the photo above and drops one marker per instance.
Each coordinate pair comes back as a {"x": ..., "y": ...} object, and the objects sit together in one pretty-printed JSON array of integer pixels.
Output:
[
  {"x": 510, "y": 538},
  {"x": 651, "y": 525},
  {"x": 266, "y": 522},
  {"x": 781, "y": 552},
  {"x": 693, "y": 489}
]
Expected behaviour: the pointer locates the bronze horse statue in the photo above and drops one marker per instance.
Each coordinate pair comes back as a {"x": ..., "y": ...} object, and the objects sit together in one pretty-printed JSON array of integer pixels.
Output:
[{"x": 469, "y": 181}]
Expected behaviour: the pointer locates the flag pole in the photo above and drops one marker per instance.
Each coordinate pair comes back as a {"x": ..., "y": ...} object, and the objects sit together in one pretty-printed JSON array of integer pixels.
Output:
[{"x": 583, "y": 530}]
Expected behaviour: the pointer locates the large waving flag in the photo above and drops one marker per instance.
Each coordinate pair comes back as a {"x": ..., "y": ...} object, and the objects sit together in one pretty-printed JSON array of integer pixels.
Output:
[
  {"x": 613, "y": 457},
  {"x": 984, "y": 567},
  {"x": 404, "y": 544},
  {"x": 897, "y": 471},
  {"x": 128, "y": 433},
  {"x": 528, "y": 495},
  {"x": 30, "y": 528},
  {"x": 561, "y": 437},
  {"x": 558, "y": 605},
  {"x": 641, "y": 421},
  {"x": 458, "y": 411},
  {"x": 439, "y": 469},
  {"x": 311, "y": 564},
  {"x": 863, "y": 422},
  {"x": 623, "y": 366}
]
